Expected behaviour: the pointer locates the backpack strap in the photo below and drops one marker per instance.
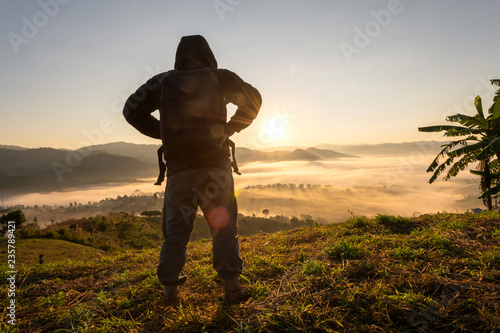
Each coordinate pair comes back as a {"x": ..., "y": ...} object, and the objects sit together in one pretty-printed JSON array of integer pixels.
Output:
[
  {"x": 234, "y": 165},
  {"x": 161, "y": 165},
  {"x": 163, "y": 168}
]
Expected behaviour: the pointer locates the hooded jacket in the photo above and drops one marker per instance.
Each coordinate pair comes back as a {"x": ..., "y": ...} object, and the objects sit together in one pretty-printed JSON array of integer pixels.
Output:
[{"x": 193, "y": 52}]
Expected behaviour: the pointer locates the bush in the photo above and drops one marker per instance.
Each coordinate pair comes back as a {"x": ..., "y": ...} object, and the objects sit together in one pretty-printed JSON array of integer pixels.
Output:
[{"x": 344, "y": 249}]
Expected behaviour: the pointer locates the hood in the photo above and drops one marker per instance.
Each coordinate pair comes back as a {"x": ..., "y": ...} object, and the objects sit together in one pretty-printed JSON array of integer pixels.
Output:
[{"x": 194, "y": 52}]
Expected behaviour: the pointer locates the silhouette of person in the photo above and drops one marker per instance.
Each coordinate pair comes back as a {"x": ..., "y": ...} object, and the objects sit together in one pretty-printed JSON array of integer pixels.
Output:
[{"x": 193, "y": 127}]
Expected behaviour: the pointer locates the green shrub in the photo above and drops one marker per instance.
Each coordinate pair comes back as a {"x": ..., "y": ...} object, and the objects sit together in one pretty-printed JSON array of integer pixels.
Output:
[
  {"x": 407, "y": 253},
  {"x": 344, "y": 249},
  {"x": 358, "y": 221},
  {"x": 313, "y": 267}
]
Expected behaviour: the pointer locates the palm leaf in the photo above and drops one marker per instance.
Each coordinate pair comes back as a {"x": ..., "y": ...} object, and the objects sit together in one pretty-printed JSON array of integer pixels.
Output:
[
  {"x": 493, "y": 106},
  {"x": 459, "y": 166},
  {"x": 491, "y": 192},
  {"x": 470, "y": 132},
  {"x": 448, "y": 128},
  {"x": 468, "y": 149},
  {"x": 468, "y": 121},
  {"x": 485, "y": 174},
  {"x": 444, "y": 152},
  {"x": 479, "y": 106},
  {"x": 439, "y": 170},
  {"x": 495, "y": 82},
  {"x": 496, "y": 108},
  {"x": 491, "y": 149},
  {"x": 493, "y": 164}
]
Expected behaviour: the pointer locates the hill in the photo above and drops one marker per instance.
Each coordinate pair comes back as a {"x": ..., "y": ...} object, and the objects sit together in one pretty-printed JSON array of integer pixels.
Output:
[
  {"x": 53, "y": 250},
  {"x": 388, "y": 149},
  {"x": 12, "y": 147},
  {"x": 385, "y": 274},
  {"x": 48, "y": 169},
  {"x": 142, "y": 152},
  {"x": 243, "y": 155}
]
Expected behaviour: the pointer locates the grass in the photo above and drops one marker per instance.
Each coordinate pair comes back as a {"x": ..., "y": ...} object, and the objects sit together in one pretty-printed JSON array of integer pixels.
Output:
[
  {"x": 382, "y": 274},
  {"x": 53, "y": 250}
]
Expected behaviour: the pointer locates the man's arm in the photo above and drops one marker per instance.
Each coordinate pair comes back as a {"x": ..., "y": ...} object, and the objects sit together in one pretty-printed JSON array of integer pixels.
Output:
[
  {"x": 244, "y": 96},
  {"x": 141, "y": 104}
]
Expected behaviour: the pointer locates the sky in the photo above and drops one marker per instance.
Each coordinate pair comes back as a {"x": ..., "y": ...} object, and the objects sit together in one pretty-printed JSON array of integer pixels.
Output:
[{"x": 340, "y": 72}]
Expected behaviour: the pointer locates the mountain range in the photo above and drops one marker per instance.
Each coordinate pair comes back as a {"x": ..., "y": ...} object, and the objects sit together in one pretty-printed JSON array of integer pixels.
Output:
[
  {"x": 25, "y": 170},
  {"x": 47, "y": 169},
  {"x": 388, "y": 149}
]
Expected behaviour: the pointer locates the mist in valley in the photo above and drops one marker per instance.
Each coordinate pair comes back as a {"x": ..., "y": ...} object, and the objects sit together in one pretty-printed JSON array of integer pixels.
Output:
[
  {"x": 366, "y": 186},
  {"x": 331, "y": 190}
]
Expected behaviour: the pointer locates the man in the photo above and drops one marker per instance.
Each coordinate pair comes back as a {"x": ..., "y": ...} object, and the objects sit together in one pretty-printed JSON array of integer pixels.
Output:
[{"x": 194, "y": 131}]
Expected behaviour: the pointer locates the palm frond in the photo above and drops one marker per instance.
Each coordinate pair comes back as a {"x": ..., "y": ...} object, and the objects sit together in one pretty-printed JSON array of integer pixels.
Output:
[
  {"x": 469, "y": 121},
  {"x": 468, "y": 149},
  {"x": 459, "y": 166},
  {"x": 447, "y": 147},
  {"x": 492, "y": 149},
  {"x": 495, "y": 82},
  {"x": 495, "y": 114},
  {"x": 491, "y": 109},
  {"x": 439, "y": 170},
  {"x": 455, "y": 133},
  {"x": 440, "y": 128},
  {"x": 479, "y": 106},
  {"x": 485, "y": 174},
  {"x": 491, "y": 192}
]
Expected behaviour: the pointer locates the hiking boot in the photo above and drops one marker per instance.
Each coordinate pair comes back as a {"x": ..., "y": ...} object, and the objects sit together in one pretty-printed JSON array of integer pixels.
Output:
[
  {"x": 234, "y": 293},
  {"x": 172, "y": 297}
]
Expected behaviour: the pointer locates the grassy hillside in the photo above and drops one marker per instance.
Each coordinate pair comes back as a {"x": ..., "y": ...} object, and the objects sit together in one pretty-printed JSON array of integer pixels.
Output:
[
  {"x": 54, "y": 250},
  {"x": 385, "y": 274},
  {"x": 122, "y": 231}
]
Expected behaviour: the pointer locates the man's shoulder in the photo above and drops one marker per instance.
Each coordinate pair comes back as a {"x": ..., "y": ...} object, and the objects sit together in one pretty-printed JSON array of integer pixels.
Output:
[
  {"x": 226, "y": 76},
  {"x": 158, "y": 77},
  {"x": 224, "y": 72}
]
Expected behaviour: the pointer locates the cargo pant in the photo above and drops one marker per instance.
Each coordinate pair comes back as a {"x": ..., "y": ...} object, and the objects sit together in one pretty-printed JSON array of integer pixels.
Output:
[{"x": 211, "y": 189}]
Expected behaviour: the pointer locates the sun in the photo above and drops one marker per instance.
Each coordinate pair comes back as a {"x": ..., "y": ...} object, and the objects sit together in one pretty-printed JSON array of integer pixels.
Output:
[{"x": 272, "y": 132}]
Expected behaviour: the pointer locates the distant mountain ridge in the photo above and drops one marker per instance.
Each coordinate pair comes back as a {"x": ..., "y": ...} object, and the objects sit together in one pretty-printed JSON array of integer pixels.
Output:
[
  {"x": 388, "y": 149},
  {"x": 49, "y": 169},
  {"x": 12, "y": 147},
  {"x": 143, "y": 152},
  {"x": 245, "y": 155}
]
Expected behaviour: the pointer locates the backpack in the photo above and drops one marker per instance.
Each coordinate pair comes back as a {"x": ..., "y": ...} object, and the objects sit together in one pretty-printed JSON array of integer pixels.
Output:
[{"x": 193, "y": 117}]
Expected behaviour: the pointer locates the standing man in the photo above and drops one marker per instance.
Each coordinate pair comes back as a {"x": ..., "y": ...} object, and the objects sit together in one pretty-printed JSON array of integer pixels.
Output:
[{"x": 194, "y": 131}]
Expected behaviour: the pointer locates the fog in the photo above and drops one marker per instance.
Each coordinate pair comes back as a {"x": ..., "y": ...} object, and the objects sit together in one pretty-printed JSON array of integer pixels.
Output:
[{"x": 366, "y": 186}]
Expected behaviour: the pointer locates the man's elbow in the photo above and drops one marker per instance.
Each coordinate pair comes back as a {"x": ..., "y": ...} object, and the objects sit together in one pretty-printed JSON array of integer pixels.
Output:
[
  {"x": 128, "y": 110},
  {"x": 258, "y": 100},
  {"x": 253, "y": 101}
]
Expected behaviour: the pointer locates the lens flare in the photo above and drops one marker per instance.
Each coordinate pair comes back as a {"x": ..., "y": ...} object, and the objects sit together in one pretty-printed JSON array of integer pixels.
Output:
[{"x": 218, "y": 218}]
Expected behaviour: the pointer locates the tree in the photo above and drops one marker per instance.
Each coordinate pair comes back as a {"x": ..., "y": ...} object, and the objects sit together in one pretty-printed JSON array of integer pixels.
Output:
[
  {"x": 265, "y": 212},
  {"x": 478, "y": 140},
  {"x": 152, "y": 213},
  {"x": 17, "y": 216}
]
